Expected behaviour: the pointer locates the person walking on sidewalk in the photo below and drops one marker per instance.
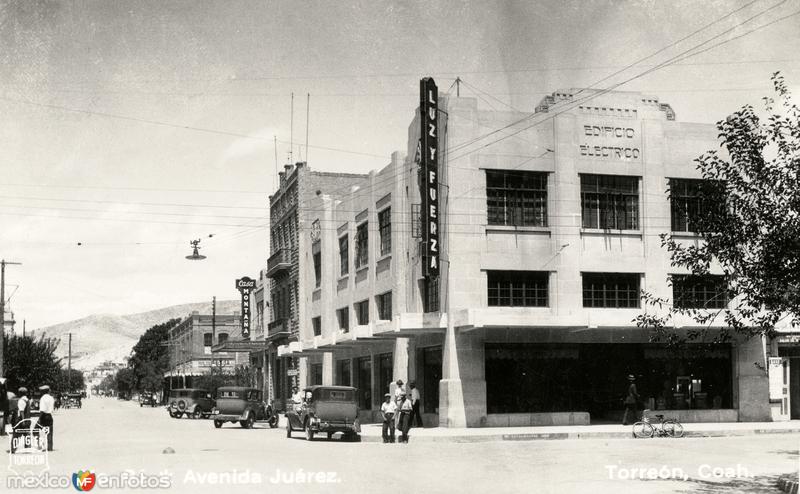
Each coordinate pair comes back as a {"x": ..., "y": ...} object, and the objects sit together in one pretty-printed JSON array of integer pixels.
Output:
[
  {"x": 405, "y": 417},
  {"x": 388, "y": 410},
  {"x": 46, "y": 406},
  {"x": 416, "y": 417},
  {"x": 631, "y": 399}
]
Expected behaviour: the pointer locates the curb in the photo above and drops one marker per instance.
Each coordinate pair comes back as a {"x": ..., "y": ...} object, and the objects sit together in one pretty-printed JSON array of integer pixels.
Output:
[
  {"x": 551, "y": 436},
  {"x": 787, "y": 485}
]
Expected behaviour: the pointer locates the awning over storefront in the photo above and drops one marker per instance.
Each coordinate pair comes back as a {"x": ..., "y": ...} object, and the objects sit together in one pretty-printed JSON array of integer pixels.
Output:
[
  {"x": 692, "y": 351},
  {"x": 240, "y": 346}
]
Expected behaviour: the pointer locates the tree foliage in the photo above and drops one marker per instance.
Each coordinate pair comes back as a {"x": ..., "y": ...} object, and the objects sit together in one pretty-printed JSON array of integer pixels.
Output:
[
  {"x": 749, "y": 225},
  {"x": 150, "y": 356},
  {"x": 30, "y": 362},
  {"x": 63, "y": 383}
]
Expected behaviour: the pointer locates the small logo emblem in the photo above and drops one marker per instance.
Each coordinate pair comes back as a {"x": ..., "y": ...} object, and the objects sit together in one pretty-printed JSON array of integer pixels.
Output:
[{"x": 83, "y": 481}]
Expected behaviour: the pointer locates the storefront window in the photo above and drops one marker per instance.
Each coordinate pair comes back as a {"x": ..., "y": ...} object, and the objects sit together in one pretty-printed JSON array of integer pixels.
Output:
[{"x": 531, "y": 378}]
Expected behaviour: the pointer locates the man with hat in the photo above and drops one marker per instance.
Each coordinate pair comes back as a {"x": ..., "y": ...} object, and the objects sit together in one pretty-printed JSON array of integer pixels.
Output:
[
  {"x": 416, "y": 416},
  {"x": 631, "y": 399},
  {"x": 46, "y": 406},
  {"x": 388, "y": 410},
  {"x": 405, "y": 409}
]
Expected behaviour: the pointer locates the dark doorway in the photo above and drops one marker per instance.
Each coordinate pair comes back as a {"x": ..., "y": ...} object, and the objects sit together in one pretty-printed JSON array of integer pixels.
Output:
[
  {"x": 431, "y": 375},
  {"x": 364, "y": 383}
]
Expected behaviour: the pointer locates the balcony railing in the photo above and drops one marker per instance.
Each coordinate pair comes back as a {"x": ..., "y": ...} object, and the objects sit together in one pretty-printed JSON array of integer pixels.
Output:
[
  {"x": 278, "y": 327},
  {"x": 279, "y": 262}
]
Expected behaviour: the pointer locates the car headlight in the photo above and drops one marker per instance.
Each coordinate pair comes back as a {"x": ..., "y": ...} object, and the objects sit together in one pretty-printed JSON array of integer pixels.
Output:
[{"x": 215, "y": 412}]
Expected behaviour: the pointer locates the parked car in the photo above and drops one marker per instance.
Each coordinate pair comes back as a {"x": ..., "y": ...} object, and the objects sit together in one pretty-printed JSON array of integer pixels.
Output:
[
  {"x": 240, "y": 404},
  {"x": 326, "y": 409},
  {"x": 192, "y": 402},
  {"x": 148, "y": 398}
]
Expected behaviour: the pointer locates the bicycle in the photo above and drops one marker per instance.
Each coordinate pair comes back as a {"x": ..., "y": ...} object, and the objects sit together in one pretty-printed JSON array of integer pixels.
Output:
[{"x": 664, "y": 428}]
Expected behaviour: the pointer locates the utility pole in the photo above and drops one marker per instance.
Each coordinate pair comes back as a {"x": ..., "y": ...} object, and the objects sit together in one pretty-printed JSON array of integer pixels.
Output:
[
  {"x": 69, "y": 364},
  {"x": 3, "y": 310},
  {"x": 213, "y": 332}
]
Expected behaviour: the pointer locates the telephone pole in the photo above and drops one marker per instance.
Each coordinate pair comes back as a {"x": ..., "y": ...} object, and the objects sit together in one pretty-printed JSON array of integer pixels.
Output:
[
  {"x": 69, "y": 364},
  {"x": 3, "y": 310}
]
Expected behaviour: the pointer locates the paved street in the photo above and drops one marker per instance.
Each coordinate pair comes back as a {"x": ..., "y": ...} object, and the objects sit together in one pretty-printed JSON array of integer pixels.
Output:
[{"x": 88, "y": 439}]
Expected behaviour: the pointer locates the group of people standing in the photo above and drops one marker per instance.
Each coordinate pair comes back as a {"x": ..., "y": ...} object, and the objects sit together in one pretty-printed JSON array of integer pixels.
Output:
[
  {"x": 22, "y": 411},
  {"x": 399, "y": 411}
]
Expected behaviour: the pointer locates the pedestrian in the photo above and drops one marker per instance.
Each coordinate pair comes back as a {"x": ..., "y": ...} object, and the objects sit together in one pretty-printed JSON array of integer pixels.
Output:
[
  {"x": 23, "y": 405},
  {"x": 416, "y": 417},
  {"x": 388, "y": 410},
  {"x": 631, "y": 399},
  {"x": 399, "y": 393},
  {"x": 46, "y": 406},
  {"x": 3, "y": 406},
  {"x": 297, "y": 399},
  {"x": 405, "y": 417}
]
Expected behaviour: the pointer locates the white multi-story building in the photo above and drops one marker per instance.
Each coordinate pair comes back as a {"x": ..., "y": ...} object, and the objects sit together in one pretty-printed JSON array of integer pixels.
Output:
[{"x": 549, "y": 229}]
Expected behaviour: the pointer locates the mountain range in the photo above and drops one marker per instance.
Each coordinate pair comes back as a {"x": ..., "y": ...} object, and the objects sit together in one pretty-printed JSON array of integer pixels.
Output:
[{"x": 109, "y": 337}]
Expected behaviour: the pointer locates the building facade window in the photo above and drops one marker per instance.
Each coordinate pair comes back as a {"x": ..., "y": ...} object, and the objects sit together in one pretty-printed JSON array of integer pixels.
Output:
[
  {"x": 518, "y": 288},
  {"x": 385, "y": 230},
  {"x": 362, "y": 245},
  {"x": 316, "y": 374},
  {"x": 208, "y": 339},
  {"x": 699, "y": 291},
  {"x": 610, "y": 202},
  {"x": 384, "y": 303},
  {"x": 343, "y": 372},
  {"x": 516, "y": 198},
  {"x": 343, "y": 316},
  {"x": 611, "y": 290},
  {"x": 362, "y": 312},
  {"x": 222, "y": 338},
  {"x": 318, "y": 269},
  {"x": 316, "y": 325},
  {"x": 685, "y": 204},
  {"x": 430, "y": 295},
  {"x": 344, "y": 256}
]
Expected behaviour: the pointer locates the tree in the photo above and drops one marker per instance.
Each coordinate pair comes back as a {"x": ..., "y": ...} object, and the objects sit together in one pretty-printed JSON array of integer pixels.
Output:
[
  {"x": 30, "y": 362},
  {"x": 125, "y": 382},
  {"x": 64, "y": 384},
  {"x": 150, "y": 356},
  {"x": 749, "y": 225}
]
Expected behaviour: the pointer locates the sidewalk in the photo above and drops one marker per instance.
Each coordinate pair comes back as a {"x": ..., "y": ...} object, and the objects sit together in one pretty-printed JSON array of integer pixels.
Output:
[{"x": 372, "y": 432}]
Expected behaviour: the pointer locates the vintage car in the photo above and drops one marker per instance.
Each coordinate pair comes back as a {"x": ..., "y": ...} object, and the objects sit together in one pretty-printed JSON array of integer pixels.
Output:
[
  {"x": 192, "y": 402},
  {"x": 239, "y": 404},
  {"x": 148, "y": 398},
  {"x": 326, "y": 409}
]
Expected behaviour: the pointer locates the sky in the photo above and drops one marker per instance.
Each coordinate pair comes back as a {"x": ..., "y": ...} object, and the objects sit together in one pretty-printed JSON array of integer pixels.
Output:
[{"x": 129, "y": 128}]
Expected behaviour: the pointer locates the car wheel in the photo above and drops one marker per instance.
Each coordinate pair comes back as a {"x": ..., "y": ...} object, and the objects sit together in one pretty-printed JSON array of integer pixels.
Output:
[
  {"x": 198, "y": 414},
  {"x": 248, "y": 422},
  {"x": 217, "y": 424},
  {"x": 171, "y": 415},
  {"x": 140, "y": 405},
  {"x": 309, "y": 432}
]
